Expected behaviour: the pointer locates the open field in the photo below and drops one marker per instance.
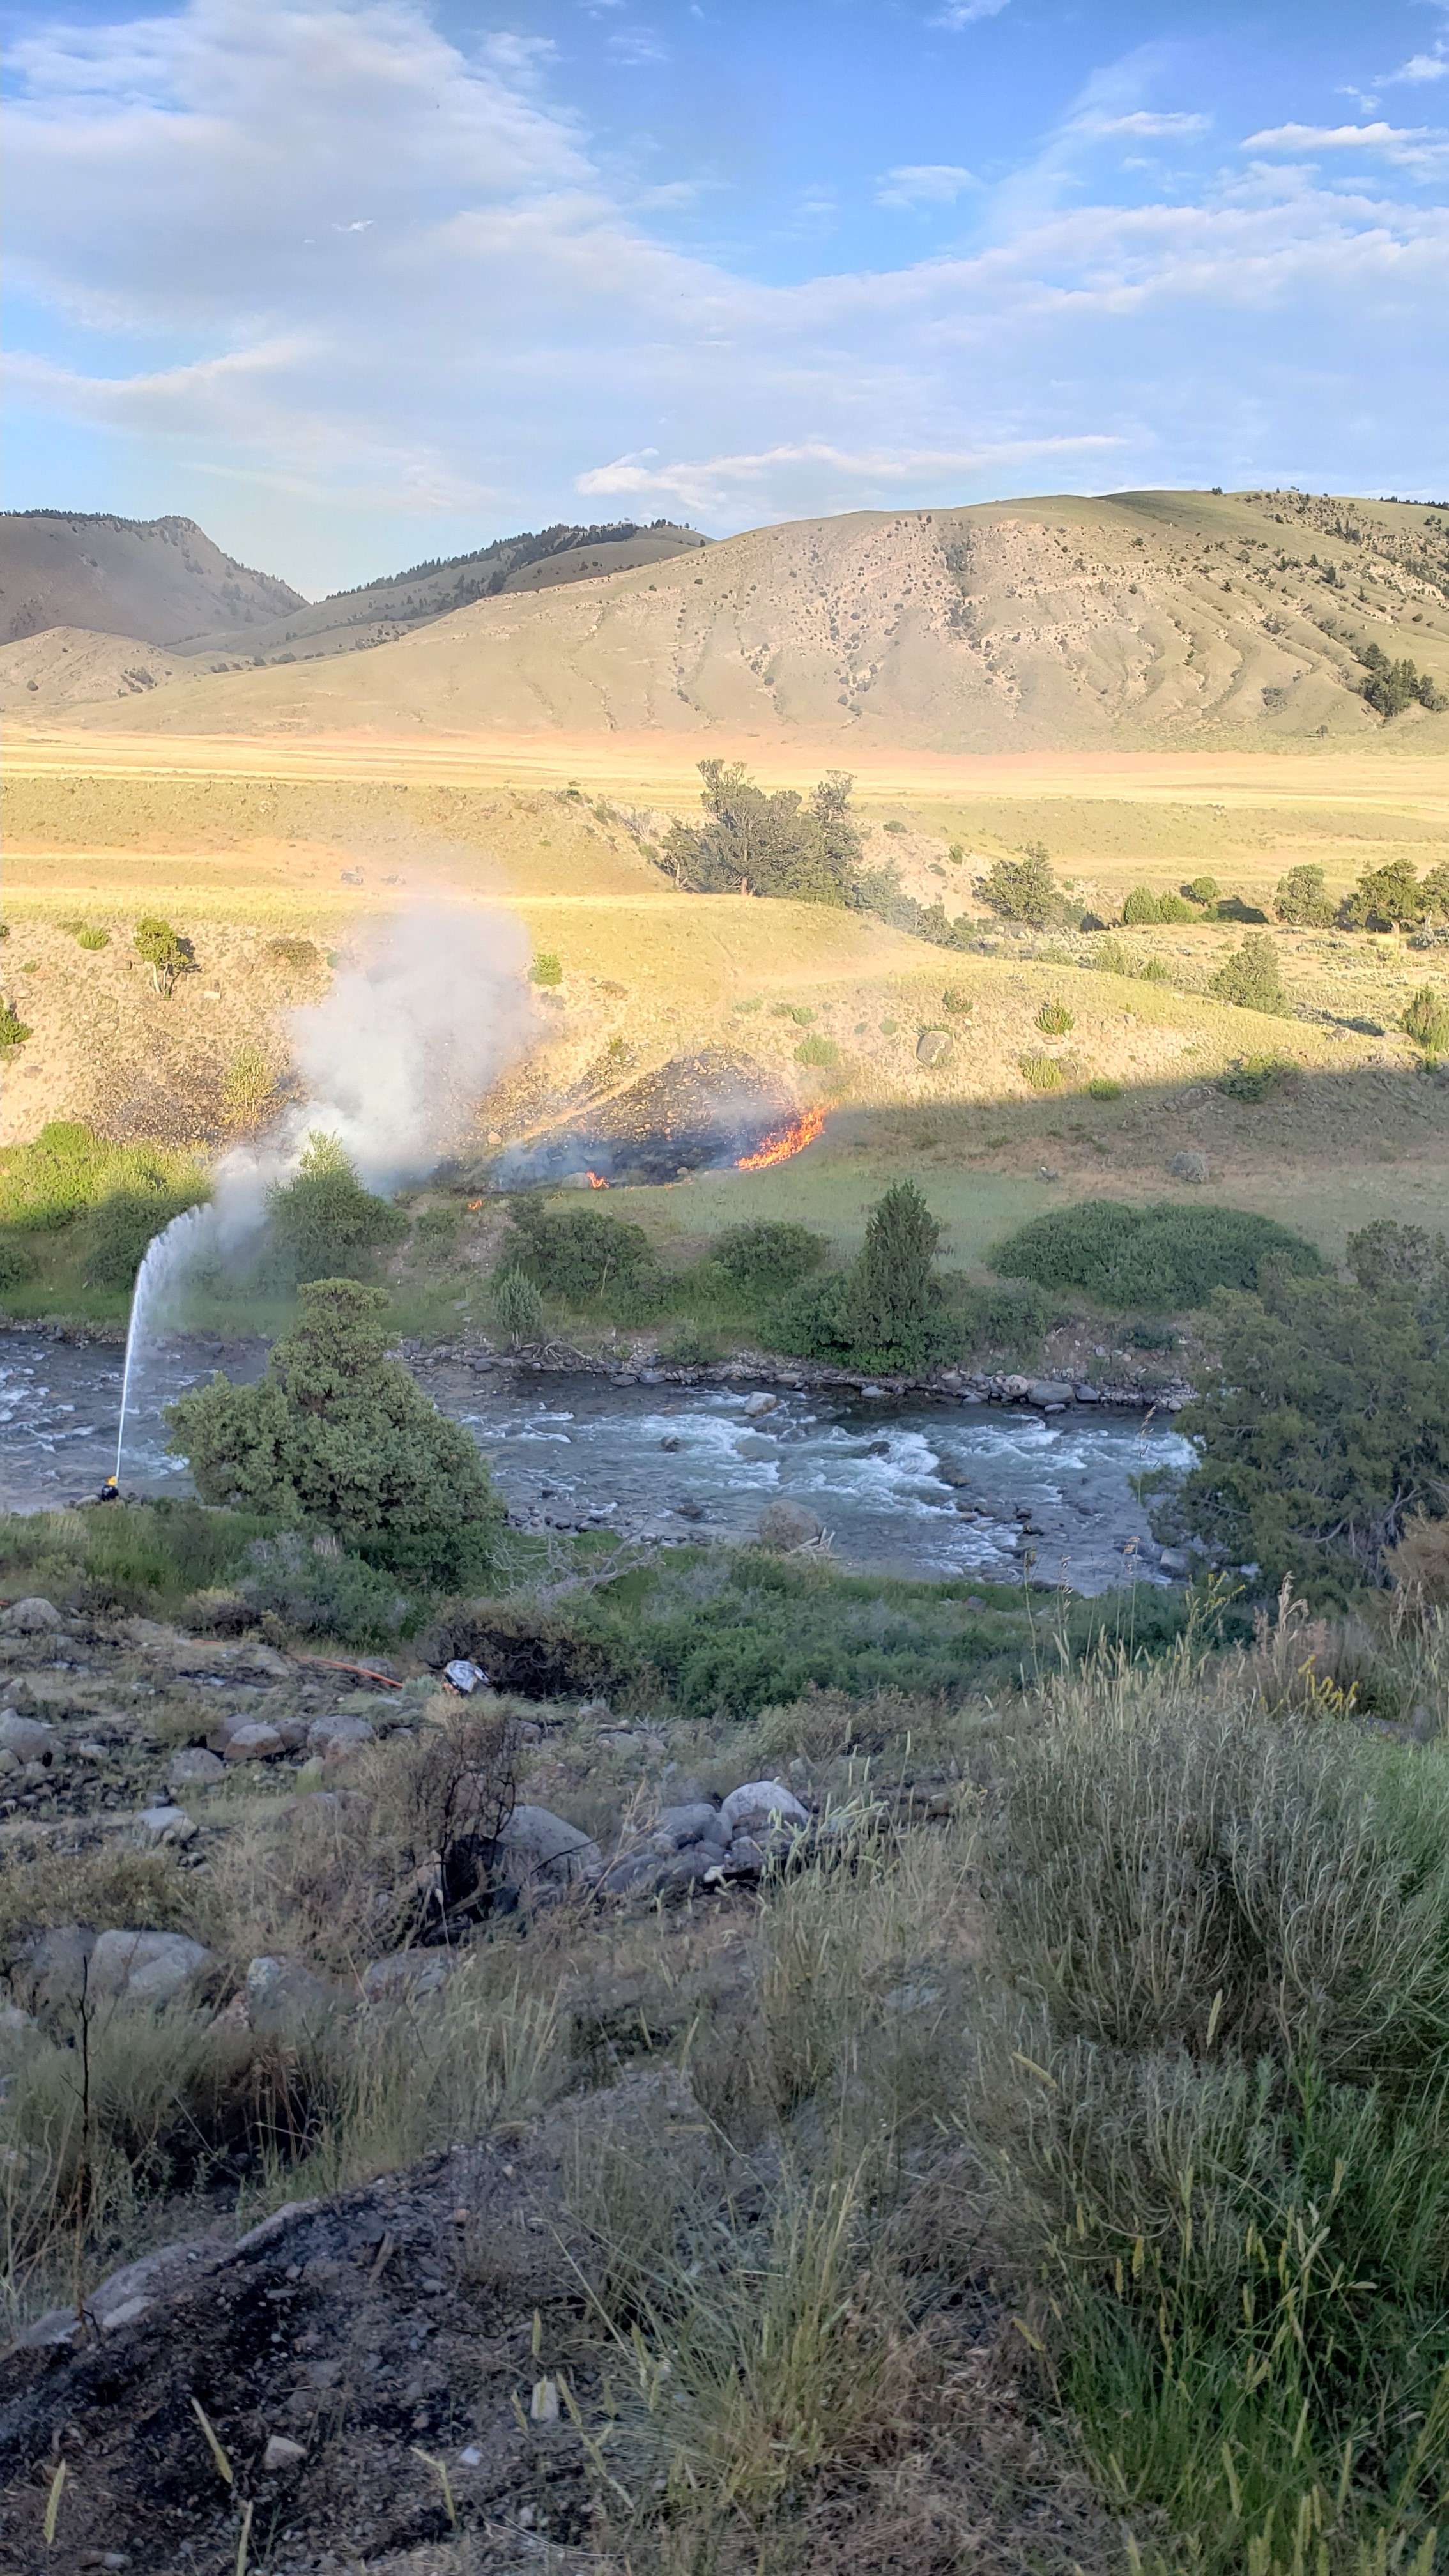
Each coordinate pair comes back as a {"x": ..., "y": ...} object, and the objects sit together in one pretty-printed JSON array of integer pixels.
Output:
[{"x": 239, "y": 843}]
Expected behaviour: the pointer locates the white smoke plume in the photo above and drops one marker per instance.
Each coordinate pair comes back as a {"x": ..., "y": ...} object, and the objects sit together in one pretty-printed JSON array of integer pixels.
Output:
[{"x": 410, "y": 1035}]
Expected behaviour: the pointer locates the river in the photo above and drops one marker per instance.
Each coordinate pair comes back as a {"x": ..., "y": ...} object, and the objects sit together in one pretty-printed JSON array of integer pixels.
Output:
[{"x": 900, "y": 1483}]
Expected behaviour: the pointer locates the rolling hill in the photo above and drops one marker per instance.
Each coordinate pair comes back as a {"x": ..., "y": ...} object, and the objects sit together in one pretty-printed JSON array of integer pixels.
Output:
[
  {"x": 152, "y": 580},
  {"x": 1145, "y": 619}
]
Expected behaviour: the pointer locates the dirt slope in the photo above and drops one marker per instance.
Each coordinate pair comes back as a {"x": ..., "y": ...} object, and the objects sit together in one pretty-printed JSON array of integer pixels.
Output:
[
  {"x": 153, "y": 578},
  {"x": 1172, "y": 619}
]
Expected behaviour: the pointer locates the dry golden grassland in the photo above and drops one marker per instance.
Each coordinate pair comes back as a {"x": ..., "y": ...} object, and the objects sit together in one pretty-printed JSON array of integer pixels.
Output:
[{"x": 238, "y": 844}]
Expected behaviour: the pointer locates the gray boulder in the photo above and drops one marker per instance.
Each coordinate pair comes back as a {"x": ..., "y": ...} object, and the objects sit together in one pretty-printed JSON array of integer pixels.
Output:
[
  {"x": 338, "y": 1734},
  {"x": 164, "y": 1824},
  {"x": 674, "y": 1827},
  {"x": 28, "y": 1617},
  {"x": 28, "y": 1738},
  {"x": 192, "y": 1766},
  {"x": 405, "y": 1974},
  {"x": 760, "y": 1807},
  {"x": 151, "y": 1968},
  {"x": 48, "y": 1971},
  {"x": 933, "y": 1047},
  {"x": 251, "y": 1740},
  {"x": 281, "y": 1992},
  {"x": 1191, "y": 1166},
  {"x": 540, "y": 1852}
]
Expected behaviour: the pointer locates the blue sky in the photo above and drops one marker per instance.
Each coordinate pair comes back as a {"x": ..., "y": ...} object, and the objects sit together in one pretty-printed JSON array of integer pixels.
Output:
[{"x": 356, "y": 282}]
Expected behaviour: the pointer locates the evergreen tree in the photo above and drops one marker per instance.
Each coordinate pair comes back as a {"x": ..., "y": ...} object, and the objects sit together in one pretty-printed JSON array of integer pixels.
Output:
[
  {"x": 1250, "y": 977},
  {"x": 324, "y": 1223},
  {"x": 891, "y": 1305},
  {"x": 338, "y": 1438}
]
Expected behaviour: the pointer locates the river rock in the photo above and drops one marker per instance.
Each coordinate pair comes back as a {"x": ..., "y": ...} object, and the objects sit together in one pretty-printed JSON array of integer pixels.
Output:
[
  {"x": 29, "y": 1617},
  {"x": 27, "y": 1738},
  {"x": 760, "y": 1805},
  {"x": 539, "y": 1851},
  {"x": 784, "y": 1525},
  {"x": 1050, "y": 1392},
  {"x": 192, "y": 1766},
  {"x": 145, "y": 1967},
  {"x": 755, "y": 1405}
]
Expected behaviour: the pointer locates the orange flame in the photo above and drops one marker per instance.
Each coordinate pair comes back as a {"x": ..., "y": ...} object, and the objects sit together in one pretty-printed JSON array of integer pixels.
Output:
[
  {"x": 793, "y": 1139},
  {"x": 595, "y": 1183}
]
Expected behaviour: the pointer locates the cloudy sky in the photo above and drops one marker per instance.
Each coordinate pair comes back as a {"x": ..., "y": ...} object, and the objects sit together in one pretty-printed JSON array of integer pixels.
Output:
[{"x": 358, "y": 282}]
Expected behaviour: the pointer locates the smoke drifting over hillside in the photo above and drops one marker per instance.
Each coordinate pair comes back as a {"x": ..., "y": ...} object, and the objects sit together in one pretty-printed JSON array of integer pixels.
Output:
[{"x": 410, "y": 1035}]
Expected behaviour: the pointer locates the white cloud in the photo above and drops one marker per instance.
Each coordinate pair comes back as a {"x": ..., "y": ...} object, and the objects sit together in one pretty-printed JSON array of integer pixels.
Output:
[
  {"x": 1142, "y": 123},
  {"x": 968, "y": 13},
  {"x": 1419, "y": 67},
  {"x": 182, "y": 191},
  {"x": 923, "y": 183},
  {"x": 1411, "y": 146},
  {"x": 718, "y": 482}
]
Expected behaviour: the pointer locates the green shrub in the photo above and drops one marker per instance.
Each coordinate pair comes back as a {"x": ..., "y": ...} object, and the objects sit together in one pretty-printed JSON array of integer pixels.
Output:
[
  {"x": 1025, "y": 889},
  {"x": 1387, "y": 898},
  {"x": 764, "y": 1259},
  {"x": 959, "y": 1004},
  {"x": 1426, "y": 1020},
  {"x": 547, "y": 968},
  {"x": 13, "y": 1030},
  {"x": 1109, "y": 957},
  {"x": 1255, "y": 1078},
  {"x": 1162, "y": 1256},
  {"x": 886, "y": 1311},
  {"x": 1301, "y": 899},
  {"x": 338, "y": 1438},
  {"x": 518, "y": 1307},
  {"x": 1102, "y": 1087},
  {"x": 1054, "y": 1019},
  {"x": 1141, "y": 908},
  {"x": 1042, "y": 1072},
  {"x": 438, "y": 1232},
  {"x": 92, "y": 939},
  {"x": 576, "y": 1256},
  {"x": 324, "y": 1224},
  {"x": 298, "y": 953},
  {"x": 817, "y": 1050},
  {"x": 998, "y": 1323},
  {"x": 120, "y": 1230},
  {"x": 163, "y": 950},
  {"x": 322, "y": 1591},
  {"x": 1202, "y": 890},
  {"x": 1250, "y": 979},
  {"x": 1326, "y": 1415}
]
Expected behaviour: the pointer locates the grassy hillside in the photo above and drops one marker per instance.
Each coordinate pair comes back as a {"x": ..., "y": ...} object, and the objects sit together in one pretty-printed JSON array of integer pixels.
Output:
[
  {"x": 268, "y": 846},
  {"x": 1197, "y": 619}
]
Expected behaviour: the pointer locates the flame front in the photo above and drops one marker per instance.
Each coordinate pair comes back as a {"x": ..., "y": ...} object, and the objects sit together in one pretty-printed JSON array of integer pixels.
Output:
[
  {"x": 793, "y": 1139},
  {"x": 595, "y": 1183}
]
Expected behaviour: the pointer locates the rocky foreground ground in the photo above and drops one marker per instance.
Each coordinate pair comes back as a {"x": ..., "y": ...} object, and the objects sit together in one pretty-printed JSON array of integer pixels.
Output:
[{"x": 409, "y": 2372}]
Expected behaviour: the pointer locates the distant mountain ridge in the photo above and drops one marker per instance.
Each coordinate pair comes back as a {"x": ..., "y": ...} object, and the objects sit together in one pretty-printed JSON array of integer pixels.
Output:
[
  {"x": 155, "y": 580},
  {"x": 1181, "y": 620},
  {"x": 378, "y": 612}
]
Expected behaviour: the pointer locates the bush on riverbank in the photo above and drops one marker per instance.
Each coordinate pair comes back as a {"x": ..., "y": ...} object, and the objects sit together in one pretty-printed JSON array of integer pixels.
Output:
[
  {"x": 77, "y": 1212},
  {"x": 1164, "y": 1257}
]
